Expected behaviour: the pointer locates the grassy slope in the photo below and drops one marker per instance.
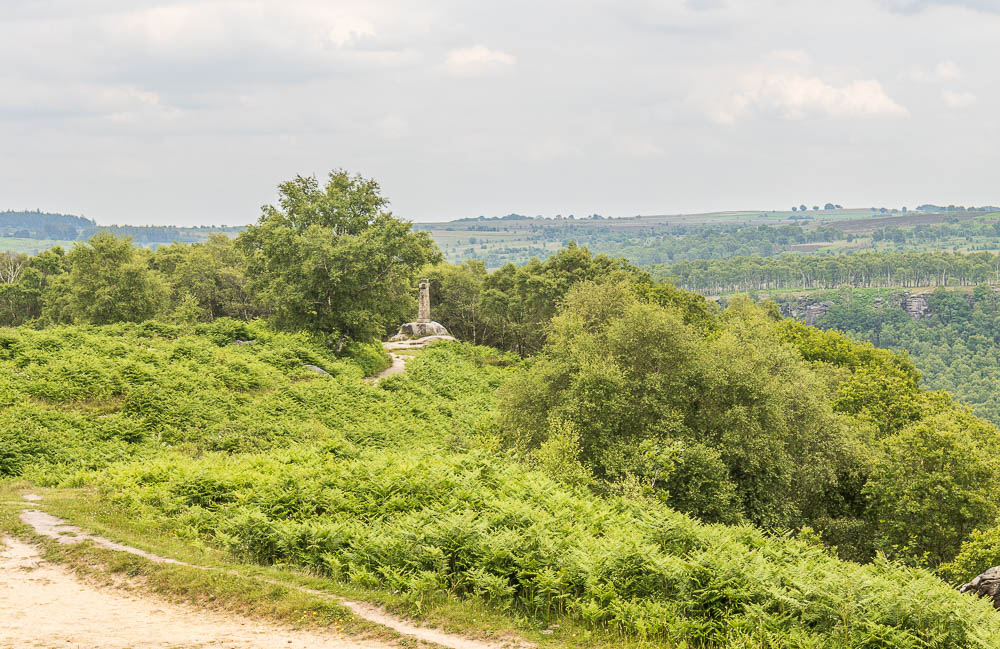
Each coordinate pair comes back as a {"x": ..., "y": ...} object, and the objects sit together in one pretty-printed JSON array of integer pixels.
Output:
[{"x": 217, "y": 452}]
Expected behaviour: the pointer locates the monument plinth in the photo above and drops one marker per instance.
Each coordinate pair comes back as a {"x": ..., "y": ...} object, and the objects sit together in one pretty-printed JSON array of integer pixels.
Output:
[{"x": 423, "y": 326}]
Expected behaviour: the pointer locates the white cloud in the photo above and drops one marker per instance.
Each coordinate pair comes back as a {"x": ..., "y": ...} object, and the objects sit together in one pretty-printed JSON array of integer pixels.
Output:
[
  {"x": 348, "y": 30},
  {"x": 795, "y": 57},
  {"x": 78, "y": 99},
  {"x": 705, "y": 5},
  {"x": 958, "y": 99},
  {"x": 306, "y": 31},
  {"x": 188, "y": 93},
  {"x": 477, "y": 60},
  {"x": 783, "y": 87}
]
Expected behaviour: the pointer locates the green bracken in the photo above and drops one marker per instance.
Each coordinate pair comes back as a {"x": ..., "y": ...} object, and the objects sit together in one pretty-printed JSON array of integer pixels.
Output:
[{"x": 217, "y": 435}]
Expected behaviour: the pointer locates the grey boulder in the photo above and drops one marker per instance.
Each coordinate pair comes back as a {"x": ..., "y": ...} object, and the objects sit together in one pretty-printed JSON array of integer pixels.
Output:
[{"x": 985, "y": 585}]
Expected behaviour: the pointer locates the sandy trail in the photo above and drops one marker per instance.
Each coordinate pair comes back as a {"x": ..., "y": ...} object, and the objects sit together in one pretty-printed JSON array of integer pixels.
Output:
[
  {"x": 45, "y": 605},
  {"x": 58, "y": 529},
  {"x": 398, "y": 367},
  {"x": 399, "y": 360},
  {"x": 66, "y": 534}
]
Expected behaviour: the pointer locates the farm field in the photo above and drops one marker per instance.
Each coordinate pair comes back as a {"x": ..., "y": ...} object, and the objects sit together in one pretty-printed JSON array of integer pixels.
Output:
[
  {"x": 661, "y": 239},
  {"x": 26, "y": 246},
  {"x": 656, "y": 239}
]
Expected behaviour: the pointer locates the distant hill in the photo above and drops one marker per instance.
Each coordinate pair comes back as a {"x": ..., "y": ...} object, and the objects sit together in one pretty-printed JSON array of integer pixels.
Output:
[
  {"x": 43, "y": 225},
  {"x": 48, "y": 229},
  {"x": 669, "y": 239}
]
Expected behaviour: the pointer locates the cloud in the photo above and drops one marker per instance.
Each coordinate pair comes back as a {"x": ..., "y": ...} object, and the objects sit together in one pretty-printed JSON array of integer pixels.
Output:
[
  {"x": 476, "y": 61},
  {"x": 958, "y": 99},
  {"x": 118, "y": 103},
  {"x": 224, "y": 24},
  {"x": 947, "y": 70},
  {"x": 549, "y": 148},
  {"x": 794, "y": 57},
  {"x": 784, "y": 88},
  {"x": 188, "y": 93}
]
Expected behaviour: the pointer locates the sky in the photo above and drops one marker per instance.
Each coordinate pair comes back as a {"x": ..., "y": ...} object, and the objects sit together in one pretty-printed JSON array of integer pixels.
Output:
[{"x": 191, "y": 113}]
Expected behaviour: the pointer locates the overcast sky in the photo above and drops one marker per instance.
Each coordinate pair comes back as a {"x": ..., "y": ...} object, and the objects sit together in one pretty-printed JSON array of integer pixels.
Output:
[{"x": 139, "y": 111}]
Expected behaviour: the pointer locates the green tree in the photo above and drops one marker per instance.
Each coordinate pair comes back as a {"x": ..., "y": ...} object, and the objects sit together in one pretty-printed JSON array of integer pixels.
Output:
[
  {"x": 212, "y": 273},
  {"x": 517, "y": 302},
  {"x": 331, "y": 260},
  {"x": 734, "y": 414},
  {"x": 936, "y": 483},
  {"x": 456, "y": 298},
  {"x": 110, "y": 281}
]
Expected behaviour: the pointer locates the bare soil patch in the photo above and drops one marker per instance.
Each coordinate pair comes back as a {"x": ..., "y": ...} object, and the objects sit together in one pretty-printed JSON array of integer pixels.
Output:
[{"x": 45, "y": 605}]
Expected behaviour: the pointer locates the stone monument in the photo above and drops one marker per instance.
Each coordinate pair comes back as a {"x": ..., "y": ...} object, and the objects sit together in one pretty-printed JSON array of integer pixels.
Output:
[
  {"x": 424, "y": 308},
  {"x": 423, "y": 326}
]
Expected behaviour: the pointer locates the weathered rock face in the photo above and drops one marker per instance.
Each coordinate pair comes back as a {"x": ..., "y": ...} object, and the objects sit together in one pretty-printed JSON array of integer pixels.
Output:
[
  {"x": 917, "y": 306},
  {"x": 805, "y": 310},
  {"x": 420, "y": 330},
  {"x": 985, "y": 585}
]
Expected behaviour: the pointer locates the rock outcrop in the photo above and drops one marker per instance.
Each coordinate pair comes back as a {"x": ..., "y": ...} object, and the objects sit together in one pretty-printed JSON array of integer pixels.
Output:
[
  {"x": 420, "y": 330},
  {"x": 317, "y": 369},
  {"x": 807, "y": 311},
  {"x": 985, "y": 585},
  {"x": 917, "y": 306}
]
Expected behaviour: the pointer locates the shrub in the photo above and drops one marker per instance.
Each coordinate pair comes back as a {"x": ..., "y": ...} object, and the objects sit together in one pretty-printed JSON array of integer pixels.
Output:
[{"x": 370, "y": 357}]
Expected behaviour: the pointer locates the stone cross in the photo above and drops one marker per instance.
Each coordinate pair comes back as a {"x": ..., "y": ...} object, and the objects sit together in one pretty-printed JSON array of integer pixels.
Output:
[{"x": 424, "y": 311}]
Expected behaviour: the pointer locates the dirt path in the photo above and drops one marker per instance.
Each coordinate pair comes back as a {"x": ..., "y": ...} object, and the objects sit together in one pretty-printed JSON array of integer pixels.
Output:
[
  {"x": 45, "y": 605},
  {"x": 64, "y": 533},
  {"x": 399, "y": 360},
  {"x": 398, "y": 367}
]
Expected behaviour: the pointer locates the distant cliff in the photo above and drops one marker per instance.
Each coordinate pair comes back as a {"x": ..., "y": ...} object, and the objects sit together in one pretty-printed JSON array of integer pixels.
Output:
[{"x": 811, "y": 310}]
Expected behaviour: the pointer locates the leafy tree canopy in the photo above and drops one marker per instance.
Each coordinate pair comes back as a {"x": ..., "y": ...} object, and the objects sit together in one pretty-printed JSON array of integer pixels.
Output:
[
  {"x": 110, "y": 281},
  {"x": 331, "y": 260}
]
